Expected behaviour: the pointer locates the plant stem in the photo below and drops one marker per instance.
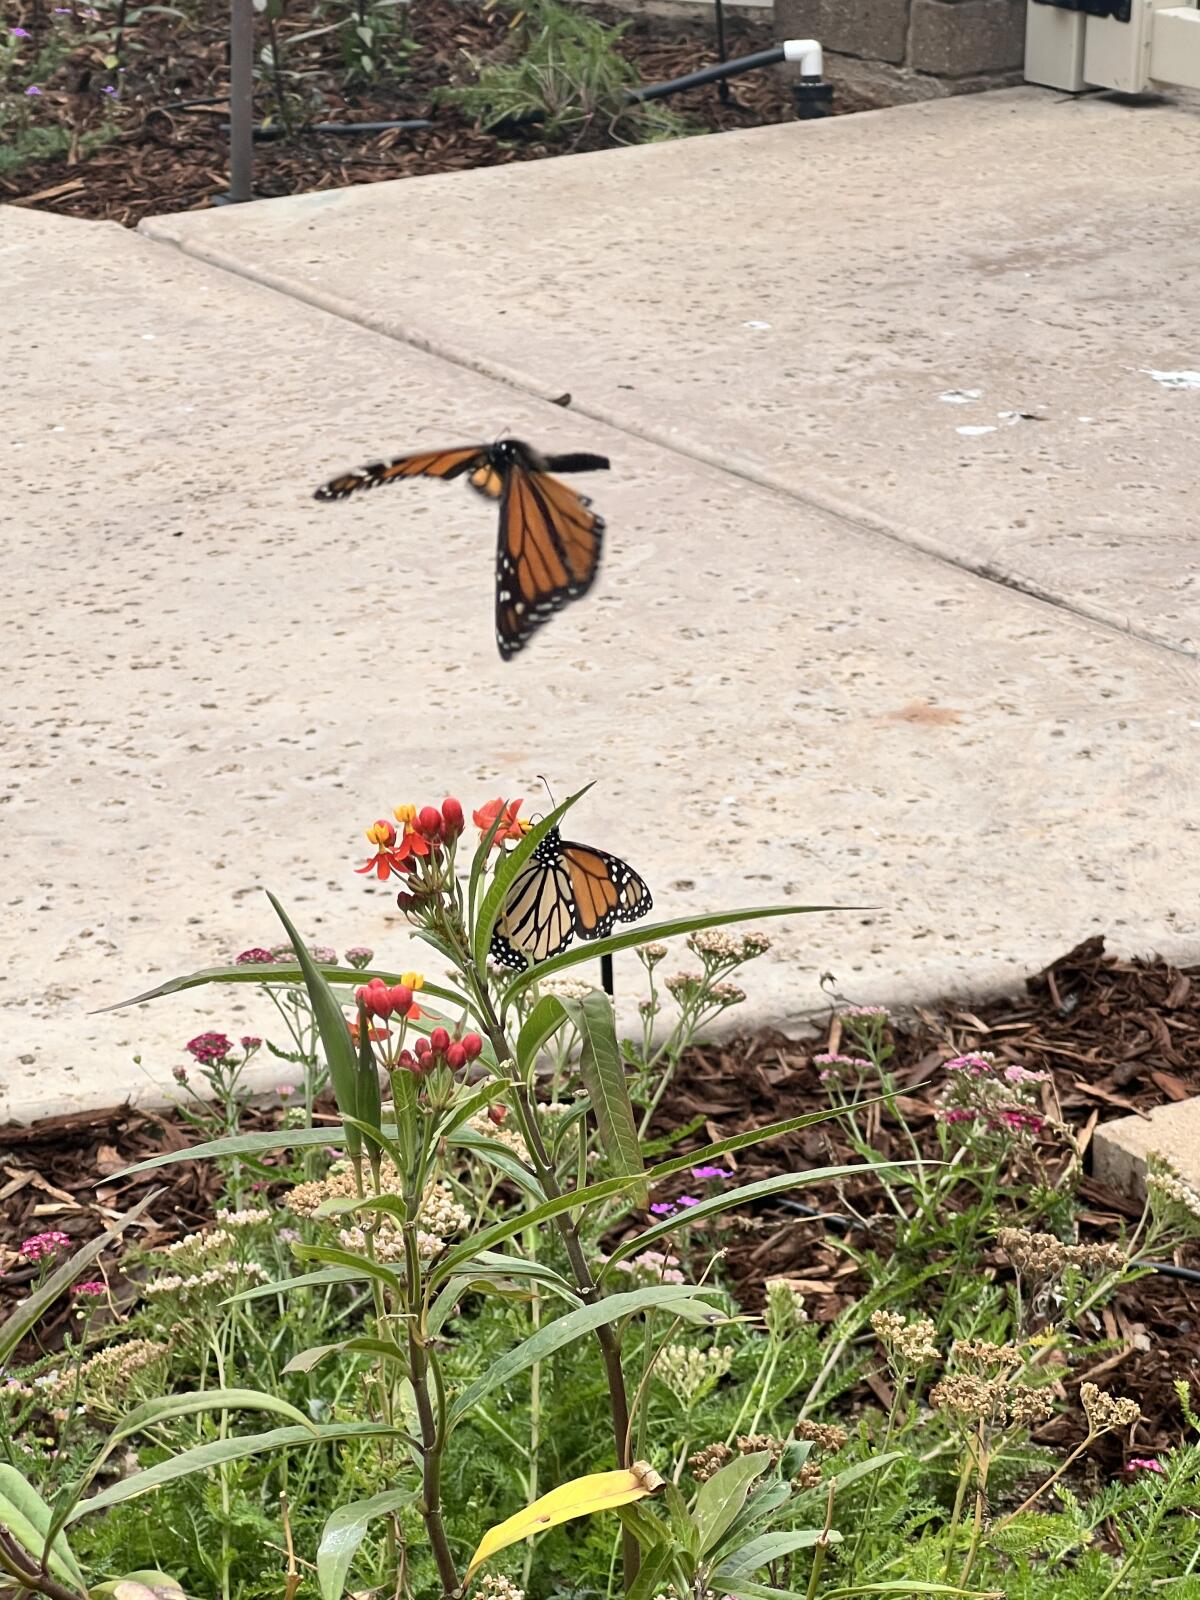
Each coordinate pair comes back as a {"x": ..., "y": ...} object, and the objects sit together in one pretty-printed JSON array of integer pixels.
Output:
[
  {"x": 1049, "y": 1483},
  {"x": 610, "y": 1348}
]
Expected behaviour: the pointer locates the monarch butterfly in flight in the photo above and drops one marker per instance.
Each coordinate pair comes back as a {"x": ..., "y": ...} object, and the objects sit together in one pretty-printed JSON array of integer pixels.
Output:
[
  {"x": 565, "y": 891},
  {"x": 549, "y": 545}
]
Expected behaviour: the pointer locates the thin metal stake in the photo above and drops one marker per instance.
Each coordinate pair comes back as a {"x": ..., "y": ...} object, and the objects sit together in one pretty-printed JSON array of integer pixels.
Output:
[
  {"x": 722, "y": 83},
  {"x": 606, "y": 973},
  {"x": 241, "y": 101}
]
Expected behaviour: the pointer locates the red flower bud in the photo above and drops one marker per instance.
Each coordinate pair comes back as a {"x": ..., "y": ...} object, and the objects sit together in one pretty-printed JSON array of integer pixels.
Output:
[
  {"x": 422, "y": 1046},
  {"x": 497, "y": 1114},
  {"x": 408, "y": 1061},
  {"x": 377, "y": 983},
  {"x": 401, "y": 997},
  {"x": 456, "y": 1056},
  {"x": 379, "y": 1001},
  {"x": 406, "y": 901},
  {"x": 453, "y": 820},
  {"x": 473, "y": 1045},
  {"x": 438, "y": 1040},
  {"x": 429, "y": 821},
  {"x": 361, "y": 995}
]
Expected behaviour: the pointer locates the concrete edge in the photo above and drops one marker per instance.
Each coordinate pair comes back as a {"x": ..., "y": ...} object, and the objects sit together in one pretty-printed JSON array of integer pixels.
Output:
[
  {"x": 995, "y": 982},
  {"x": 158, "y": 231}
]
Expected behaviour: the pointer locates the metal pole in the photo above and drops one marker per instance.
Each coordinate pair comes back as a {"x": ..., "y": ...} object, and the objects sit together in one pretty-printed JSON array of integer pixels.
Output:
[
  {"x": 241, "y": 101},
  {"x": 606, "y": 974},
  {"x": 722, "y": 83}
]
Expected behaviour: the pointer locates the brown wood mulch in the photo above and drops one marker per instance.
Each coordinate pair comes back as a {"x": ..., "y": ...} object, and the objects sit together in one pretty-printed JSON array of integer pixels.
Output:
[
  {"x": 1118, "y": 1036},
  {"x": 168, "y": 152}
]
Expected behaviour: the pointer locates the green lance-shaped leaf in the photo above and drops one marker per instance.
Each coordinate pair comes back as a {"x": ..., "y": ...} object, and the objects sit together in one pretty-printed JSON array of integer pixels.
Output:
[
  {"x": 505, "y": 874},
  {"x": 28, "y": 1519},
  {"x": 717, "y": 1203},
  {"x": 166, "y": 1409},
  {"x": 746, "y": 1561},
  {"x": 280, "y": 972},
  {"x": 723, "y": 1495},
  {"x": 603, "y": 1074},
  {"x": 345, "y": 1530},
  {"x": 333, "y": 1028},
  {"x": 542, "y": 1023},
  {"x": 648, "y": 933},
  {"x": 218, "y": 1452},
  {"x": 565, "y": 1330}
]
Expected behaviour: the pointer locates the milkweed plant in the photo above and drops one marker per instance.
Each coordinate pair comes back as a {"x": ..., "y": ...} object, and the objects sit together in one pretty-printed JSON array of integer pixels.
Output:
[{"x": 494, "y": 1162}]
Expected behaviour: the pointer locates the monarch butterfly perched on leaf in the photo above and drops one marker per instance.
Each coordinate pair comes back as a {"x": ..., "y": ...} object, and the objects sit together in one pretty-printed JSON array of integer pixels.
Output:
[
  {"x": 550, "y": 539},
  {"x": 565, "y": 891}
]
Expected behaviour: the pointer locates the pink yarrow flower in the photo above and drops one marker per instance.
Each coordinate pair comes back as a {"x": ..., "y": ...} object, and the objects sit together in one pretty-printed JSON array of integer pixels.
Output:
[
  {"x": 1144, "y": 1464},
  {"x": 209, "y": 1048},
  {"x": 40, "y": 1246},
  {"x": 93, "y": 1287},
  {"x": 255, "y": 956}
]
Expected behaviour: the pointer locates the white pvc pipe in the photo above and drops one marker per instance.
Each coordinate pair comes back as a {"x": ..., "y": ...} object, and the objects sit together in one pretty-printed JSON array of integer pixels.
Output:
[{"x": 807, "y": 52}]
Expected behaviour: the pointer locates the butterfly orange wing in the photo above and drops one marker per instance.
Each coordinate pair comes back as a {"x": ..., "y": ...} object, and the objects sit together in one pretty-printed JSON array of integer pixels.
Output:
[
  {"x": 548, "y": 553},
  {"x": 606, "y": 890},
  {"x": 422, "y": 464}
]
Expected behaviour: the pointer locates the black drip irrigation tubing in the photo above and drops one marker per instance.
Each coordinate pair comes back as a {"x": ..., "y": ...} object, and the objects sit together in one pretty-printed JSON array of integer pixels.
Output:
[{"x": 839, "y": 1224}]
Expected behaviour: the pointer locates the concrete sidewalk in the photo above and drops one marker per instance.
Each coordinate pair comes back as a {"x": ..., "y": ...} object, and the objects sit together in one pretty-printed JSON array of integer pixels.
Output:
[
  {"x": 793, "y": 303},
  {"x": 213, "y": 682}
]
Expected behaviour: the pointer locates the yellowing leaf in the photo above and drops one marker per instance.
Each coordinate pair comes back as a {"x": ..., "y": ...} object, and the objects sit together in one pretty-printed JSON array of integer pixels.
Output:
[{"x": 599, "y": 1491}]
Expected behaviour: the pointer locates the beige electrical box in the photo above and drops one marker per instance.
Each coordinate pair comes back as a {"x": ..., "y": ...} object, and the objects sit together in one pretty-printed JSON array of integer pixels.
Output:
[{"x": 1156, "y": 49}]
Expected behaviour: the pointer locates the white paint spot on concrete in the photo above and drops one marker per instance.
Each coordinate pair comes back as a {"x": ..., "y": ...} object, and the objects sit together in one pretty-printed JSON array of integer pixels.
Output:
[
  {"x": 756, "y": 324},
  {"x": 1085, "y": 419},
  {"x": 973, "y": 433},
  {"x": 149, "y": 336},
  {"x": 1174, "y": 380},
  {"x": 960, "y": 397}
]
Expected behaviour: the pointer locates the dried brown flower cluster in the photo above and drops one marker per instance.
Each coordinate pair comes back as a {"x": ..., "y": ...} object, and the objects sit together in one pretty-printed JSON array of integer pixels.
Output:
[
  {"x": 826, "y": 1436},
  {"x": 809, "y": 1476},
  {"x": 912, "y": 1342},
  {"x": 709, "y": 1460},
  {"x": 1106, "y": 1411},
  {"x": 983, "y": 1353},
  {"x": 971, "y": 1398},
  {"x": 1041, "y": 1255},
  {"x": 749, "y": 1443},
  {"x": 481, "y": 1123},
  {"x": 710, "y": 944}
]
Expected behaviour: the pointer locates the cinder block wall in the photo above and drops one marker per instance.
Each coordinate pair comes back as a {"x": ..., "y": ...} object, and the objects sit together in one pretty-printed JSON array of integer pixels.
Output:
[{"x": 947, "y": 39}]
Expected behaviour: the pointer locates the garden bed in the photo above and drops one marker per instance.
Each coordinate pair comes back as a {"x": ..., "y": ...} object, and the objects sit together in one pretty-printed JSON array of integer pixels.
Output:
[
  {"x": 1117, "y": 1036},
  {"x": 125, "y": 141}
]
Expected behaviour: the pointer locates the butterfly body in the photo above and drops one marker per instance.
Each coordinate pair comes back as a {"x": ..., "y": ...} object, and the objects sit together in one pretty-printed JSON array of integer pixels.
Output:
[
  {"x": 564, "y": 891},
  {"x": 550, "y": 540}
]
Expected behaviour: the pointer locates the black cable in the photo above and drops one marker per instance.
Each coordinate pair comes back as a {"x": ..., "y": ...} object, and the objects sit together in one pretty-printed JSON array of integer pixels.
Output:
[
  {"x": 839, "y": 1224},
  {"x": 407, "y": 123}
]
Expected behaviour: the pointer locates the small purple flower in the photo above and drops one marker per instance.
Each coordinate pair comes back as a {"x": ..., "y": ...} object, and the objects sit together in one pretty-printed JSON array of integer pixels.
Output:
[
  {"x": 663, "y": 1208},
  {"x": 689, "y": 1199},
  {"x": 711, "y": 1172},
  {"x": 33, "y": 89},
  {"x": 288, "y": 1236},
  {"x": 285, "y": 1090},
  {"x": 19, "y": 33},
  {"x": 108, "y": 89}
]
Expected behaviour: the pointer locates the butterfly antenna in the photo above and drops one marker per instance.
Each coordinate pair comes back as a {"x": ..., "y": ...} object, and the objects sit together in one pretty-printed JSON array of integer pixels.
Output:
[{"x": 542, "y": 780}]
